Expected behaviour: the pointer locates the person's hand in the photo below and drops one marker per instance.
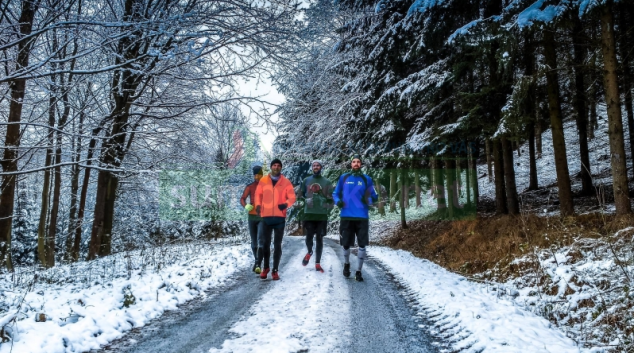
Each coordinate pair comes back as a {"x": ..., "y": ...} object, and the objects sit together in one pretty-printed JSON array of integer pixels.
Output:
[
  {"x": 257, "y": 209},
  {"x": 340, "y": 204},
  {"x": 248, "y": 207},
  {"x": 282, "y": 207}
]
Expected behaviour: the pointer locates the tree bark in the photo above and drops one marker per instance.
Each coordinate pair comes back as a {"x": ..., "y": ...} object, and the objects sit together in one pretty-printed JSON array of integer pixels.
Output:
[
  {"x": 626, "y": 80},
  {"x": 42, "y": 232},
  {"x": 579, "y": 103},
  {"x": 512, "y": 201},
  {"x": 532, "y": 160},
  {"x": 417, "y": 189},
  {"x": 393, "y": 191},
  {"x": 500, "y": 186},
  {"x": 487, "y": 148},
  {"x": 451, "y": 186},
  {"x": 613, "y": 102},
  {"x": 12, "y": 139},
  {"x": 566, "y": 207},
  {"x": 403, "y": 195}
]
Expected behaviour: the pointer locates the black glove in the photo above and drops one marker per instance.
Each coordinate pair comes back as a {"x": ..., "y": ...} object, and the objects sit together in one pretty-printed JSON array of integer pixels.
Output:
[
  {"x": 282, "y": 207},
  {"x": 257, "y": 209},
  {"x": 340, "y": 204}
]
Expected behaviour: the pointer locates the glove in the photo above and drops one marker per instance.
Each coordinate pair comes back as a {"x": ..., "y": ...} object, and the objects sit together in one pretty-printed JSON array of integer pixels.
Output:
[
  {"x": 282, "y": 207},
  {"x": 257, "y": 209},
  {"x": 248, "y": 207},
  {"x": 340, "y": 204}
]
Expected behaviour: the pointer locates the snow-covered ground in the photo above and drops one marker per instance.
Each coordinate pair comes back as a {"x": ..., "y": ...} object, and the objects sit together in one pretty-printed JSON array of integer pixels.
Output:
[
  {"x": 305, "y": 311},
  {"x": 471, "y": 315},
  {"x": 89, "y": 304}
]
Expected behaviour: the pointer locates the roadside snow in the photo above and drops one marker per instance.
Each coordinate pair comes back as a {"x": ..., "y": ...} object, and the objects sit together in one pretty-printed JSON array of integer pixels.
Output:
[
  {"x": 470, "y": 314},
  {"x": 304, "y": 311},
  {"x": 84, "y": 316}
]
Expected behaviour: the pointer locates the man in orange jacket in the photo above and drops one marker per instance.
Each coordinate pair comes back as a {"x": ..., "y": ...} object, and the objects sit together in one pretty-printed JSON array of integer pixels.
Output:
[{"x": 273, "y": 196}]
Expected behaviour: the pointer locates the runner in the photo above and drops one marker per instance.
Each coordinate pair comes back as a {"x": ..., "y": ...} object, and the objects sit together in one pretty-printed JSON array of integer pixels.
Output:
[
  {"x": 273, "y": 195},
  {"x": 353, "y": 194},
  {"x": 254, "y": 219},
  {"x": 317, "y": 192}
]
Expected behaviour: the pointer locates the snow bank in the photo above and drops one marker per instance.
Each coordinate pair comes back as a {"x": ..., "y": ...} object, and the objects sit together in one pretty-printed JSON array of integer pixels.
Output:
[
  {"x": 471, "y": 315},
  {"x": 84, "y": 316}
]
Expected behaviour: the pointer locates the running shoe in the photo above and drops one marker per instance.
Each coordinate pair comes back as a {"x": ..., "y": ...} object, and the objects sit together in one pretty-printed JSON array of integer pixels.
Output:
[
  {"x": 318, "y": 268},
  {"x": 275, "y": 275},
  {"x": 358, "y": 276},
  {"x": 264, "y": 273},
  {"x": 346, "y": 270},
  {"x": 306, "y": 259}
]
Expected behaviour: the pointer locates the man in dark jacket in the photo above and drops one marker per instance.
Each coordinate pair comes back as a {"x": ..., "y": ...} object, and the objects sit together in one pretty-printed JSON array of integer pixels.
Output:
[
  {"x": 317, "y": 193},
  {"x": 254, "y": 220},
  {"x": 353, "y": 195}
]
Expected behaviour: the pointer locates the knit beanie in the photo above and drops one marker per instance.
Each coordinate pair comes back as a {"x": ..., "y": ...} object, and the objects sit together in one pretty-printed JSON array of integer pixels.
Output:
[
  {"x": 257, "y": 170},
  {"x": 356, "y": 156},
  {"x": 276, "y": 160},
  {"x": 318, "y": 162}
]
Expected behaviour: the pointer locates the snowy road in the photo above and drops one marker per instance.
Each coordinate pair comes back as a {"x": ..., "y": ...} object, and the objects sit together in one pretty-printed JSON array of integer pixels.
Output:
[{"x": 306, "y": 311}]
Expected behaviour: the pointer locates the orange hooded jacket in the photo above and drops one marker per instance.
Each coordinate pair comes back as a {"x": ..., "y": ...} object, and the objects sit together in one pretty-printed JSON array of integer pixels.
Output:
[{"x": 268, "y": 197}]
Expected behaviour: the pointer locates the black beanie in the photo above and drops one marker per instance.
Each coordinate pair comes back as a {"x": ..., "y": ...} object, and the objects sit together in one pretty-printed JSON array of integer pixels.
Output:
[
  {"x": 356, "y": 156},
  {"x": 276, "y": 160},
  {"x": 257, "y": 170}
]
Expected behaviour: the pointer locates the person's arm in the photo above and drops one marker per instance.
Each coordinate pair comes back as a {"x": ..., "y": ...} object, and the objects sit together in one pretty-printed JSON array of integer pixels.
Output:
[
  {"x": 371, "y": 192},
  {"x": 258, "y": 198},
  {"x": 245, "y": 194},
  {"x": 328, "y": 194},
  {"x": 337, "y": 192},
  {"x": 290, "y": 195}
]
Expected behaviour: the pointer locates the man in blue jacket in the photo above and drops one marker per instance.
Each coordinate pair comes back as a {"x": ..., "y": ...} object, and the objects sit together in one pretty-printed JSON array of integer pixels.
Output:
[{"x": 353, "y": 195}]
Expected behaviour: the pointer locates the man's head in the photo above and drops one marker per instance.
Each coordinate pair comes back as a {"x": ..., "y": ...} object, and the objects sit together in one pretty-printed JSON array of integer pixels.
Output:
[
  {"x": 356, "y": 162},
  {"x": 257, "y": 173},
  {"x": 276, "y": 167},
  {"x": 317, "y": 166}
]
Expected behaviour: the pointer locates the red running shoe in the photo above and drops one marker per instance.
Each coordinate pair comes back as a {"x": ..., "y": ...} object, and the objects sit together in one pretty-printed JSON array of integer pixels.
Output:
[
  {"x": 275, "y": 276},
  {"x": 318, "y": 268},
  {"x": 306, "y": 259},
  {"x": 264, "y": 273}
]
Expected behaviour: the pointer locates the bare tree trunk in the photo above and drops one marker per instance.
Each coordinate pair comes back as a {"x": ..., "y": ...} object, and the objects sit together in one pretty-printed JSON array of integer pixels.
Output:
[
  {"x": 406, "y": 185},
  {"x": 500, "y": 186},
  {"x": 74, "y": 188},
  {"x": 579, "y": 103},
  {"x": 451, "y": 186},
  {"x": 468, "y": 172},
  {"x": 512, "y": 201},
  {"x": 393, "y": 191},
  {"x": 487, "y": 148},
  {"x": 626, "y": 81},
  {"x": 12, "y": 139},
  {"x": 593, "y": 123},
  {"x": 42, "y": 233},
  {"x": 417, "y": 188},
  {"x": 474, "y": 175},
  {"x": 566, "y": 206},
  {"x": 538, "y": 138},
  {"x": 613, "y": 102},
  {"x": 402, "y": 198},
  {"x": 532, "y": 161}
]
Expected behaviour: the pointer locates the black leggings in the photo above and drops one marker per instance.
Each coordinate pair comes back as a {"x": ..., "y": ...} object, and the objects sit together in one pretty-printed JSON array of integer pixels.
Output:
[
  {"x": 253, "y": 231},
  {"x": 265, "y": 251},
  {"x": 318, "y": 229}
]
